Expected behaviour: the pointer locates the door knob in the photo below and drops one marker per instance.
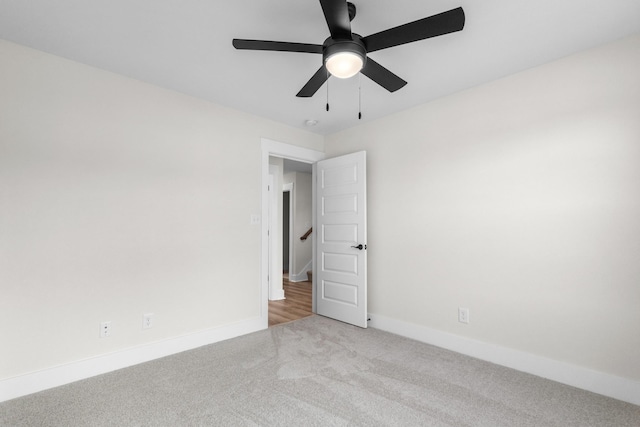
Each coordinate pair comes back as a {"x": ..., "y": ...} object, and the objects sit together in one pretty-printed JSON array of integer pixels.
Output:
[{"x": 360, "y": 247}]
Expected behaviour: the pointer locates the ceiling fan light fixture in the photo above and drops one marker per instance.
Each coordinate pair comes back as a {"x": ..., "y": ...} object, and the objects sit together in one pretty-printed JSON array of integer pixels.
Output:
[
  {"x": 344, "y": 58},
  {"x": 344, "y": 64}
]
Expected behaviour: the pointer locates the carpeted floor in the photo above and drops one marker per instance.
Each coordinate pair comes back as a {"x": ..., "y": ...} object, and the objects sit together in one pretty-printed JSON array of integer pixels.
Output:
[{"x": 317, "y": 372}]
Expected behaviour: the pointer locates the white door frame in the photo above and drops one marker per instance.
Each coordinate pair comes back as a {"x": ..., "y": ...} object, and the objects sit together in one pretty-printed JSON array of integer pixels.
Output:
[
  {"x": 289, "y": 188},
  {"x": 285, "y": 151},
  {"x": 274, "y": 274}
]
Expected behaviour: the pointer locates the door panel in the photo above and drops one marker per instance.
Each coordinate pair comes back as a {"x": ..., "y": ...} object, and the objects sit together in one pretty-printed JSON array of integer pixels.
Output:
[
  {"x": 342, "y": 204},
  {"x": 340, "y": 293},
  {"x": 340, "y": 263},
  {"x": 342, "y": 223},
  {"x": 340, "y": 233}
]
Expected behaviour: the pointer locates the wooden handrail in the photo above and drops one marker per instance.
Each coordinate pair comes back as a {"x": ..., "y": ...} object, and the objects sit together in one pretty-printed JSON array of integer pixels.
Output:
[{"x": 304, "y": 237}]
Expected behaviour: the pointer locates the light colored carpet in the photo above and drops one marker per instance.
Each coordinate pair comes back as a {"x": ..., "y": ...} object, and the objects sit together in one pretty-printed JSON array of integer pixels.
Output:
[{"x": 317, "y": 372}]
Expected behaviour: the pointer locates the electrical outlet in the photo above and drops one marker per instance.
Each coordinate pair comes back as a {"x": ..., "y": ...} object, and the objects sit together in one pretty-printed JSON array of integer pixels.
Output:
[
  {"x": 105, "y": 329},
  {"x": 147, "y": 321},
  {"x": 463, "y": 315}
]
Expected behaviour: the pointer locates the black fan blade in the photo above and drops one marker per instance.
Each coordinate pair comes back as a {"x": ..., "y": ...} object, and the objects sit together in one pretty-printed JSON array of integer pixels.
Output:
[
  {"x": 432, "y": 26},
  {"x": 277, "y": 46},
  {"x": 382, "y": 76},
  {"x": 314, "y": 83},
  {"x": 336, "y": 13}
]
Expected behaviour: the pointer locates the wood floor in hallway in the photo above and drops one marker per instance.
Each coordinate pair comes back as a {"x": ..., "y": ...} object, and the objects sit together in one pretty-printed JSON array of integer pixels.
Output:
[{"x": 296, "y": 305}]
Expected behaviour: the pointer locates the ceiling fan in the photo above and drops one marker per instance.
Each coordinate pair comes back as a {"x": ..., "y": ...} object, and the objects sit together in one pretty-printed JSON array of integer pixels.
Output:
[{"x": 344, "y": 53}]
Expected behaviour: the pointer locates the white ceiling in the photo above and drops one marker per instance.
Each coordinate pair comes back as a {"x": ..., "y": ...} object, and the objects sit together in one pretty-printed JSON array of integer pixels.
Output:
[{"x": 185, "y": 45}]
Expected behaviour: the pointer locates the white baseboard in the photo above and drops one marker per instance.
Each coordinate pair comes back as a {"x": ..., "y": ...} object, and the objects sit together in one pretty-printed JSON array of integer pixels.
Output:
[
  {"x": 277, "y": 295},
  {"x": 302, "y": 275},
  {"x": 576, "y": 376},
  {"x": 22, "y": 385}
]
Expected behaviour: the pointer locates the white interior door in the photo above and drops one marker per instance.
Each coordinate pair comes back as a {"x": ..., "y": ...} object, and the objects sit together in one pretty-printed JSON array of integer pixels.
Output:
[{"x": 341, "y": 221}]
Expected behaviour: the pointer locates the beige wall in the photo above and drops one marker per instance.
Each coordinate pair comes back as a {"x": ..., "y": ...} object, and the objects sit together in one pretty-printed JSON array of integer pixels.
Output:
[
  {"x": 118, "y": 198},
  {"x": 520, "y": 200}
]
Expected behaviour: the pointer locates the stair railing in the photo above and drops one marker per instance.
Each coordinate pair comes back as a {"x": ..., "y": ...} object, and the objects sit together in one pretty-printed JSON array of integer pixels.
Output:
[{"x": 305, "y": 235}]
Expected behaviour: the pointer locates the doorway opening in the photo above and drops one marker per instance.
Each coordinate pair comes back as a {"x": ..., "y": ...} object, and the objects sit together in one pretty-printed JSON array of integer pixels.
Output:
[
  {"x": 291, "y": 288},
  {"x": 290, "y": 169},
  {"x": 341, "y": 220}
]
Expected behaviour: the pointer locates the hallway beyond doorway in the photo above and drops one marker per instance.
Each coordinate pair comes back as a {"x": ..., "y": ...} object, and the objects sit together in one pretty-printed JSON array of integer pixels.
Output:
[{"x": 296, "y": 305}]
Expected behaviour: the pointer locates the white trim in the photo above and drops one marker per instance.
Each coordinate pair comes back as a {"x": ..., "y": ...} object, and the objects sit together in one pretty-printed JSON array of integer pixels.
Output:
[
  {"x": 276, "y": 290},
  {"x": 287, "y": 151},
  {"x": 277, "y": 295},
  {"x": 288, "y": 187},
  {"x": 576, "y": 376},
  {"x": 314, "y": 299},
  {"x": 22, "y": 385},
  {"x": 302, "y": 274},
  {"x": 291, "y": 152}
]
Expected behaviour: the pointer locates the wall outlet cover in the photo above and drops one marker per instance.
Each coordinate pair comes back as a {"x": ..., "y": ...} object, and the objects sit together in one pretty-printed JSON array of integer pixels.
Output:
[
  {"x": 463, "y": 315},
  {"x": 105, "y": 329},
  {"x": 147, "y": 320}
]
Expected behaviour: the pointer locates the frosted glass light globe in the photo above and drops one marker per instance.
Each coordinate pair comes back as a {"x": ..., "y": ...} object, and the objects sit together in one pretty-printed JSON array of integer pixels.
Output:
[{"x": 344, "y": 64}]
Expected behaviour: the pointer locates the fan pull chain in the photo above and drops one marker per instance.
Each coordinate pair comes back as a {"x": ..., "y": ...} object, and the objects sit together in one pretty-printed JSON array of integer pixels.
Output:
[
  {"x": 360, "y": 96},
  {"x": 328, "y": 90}
]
